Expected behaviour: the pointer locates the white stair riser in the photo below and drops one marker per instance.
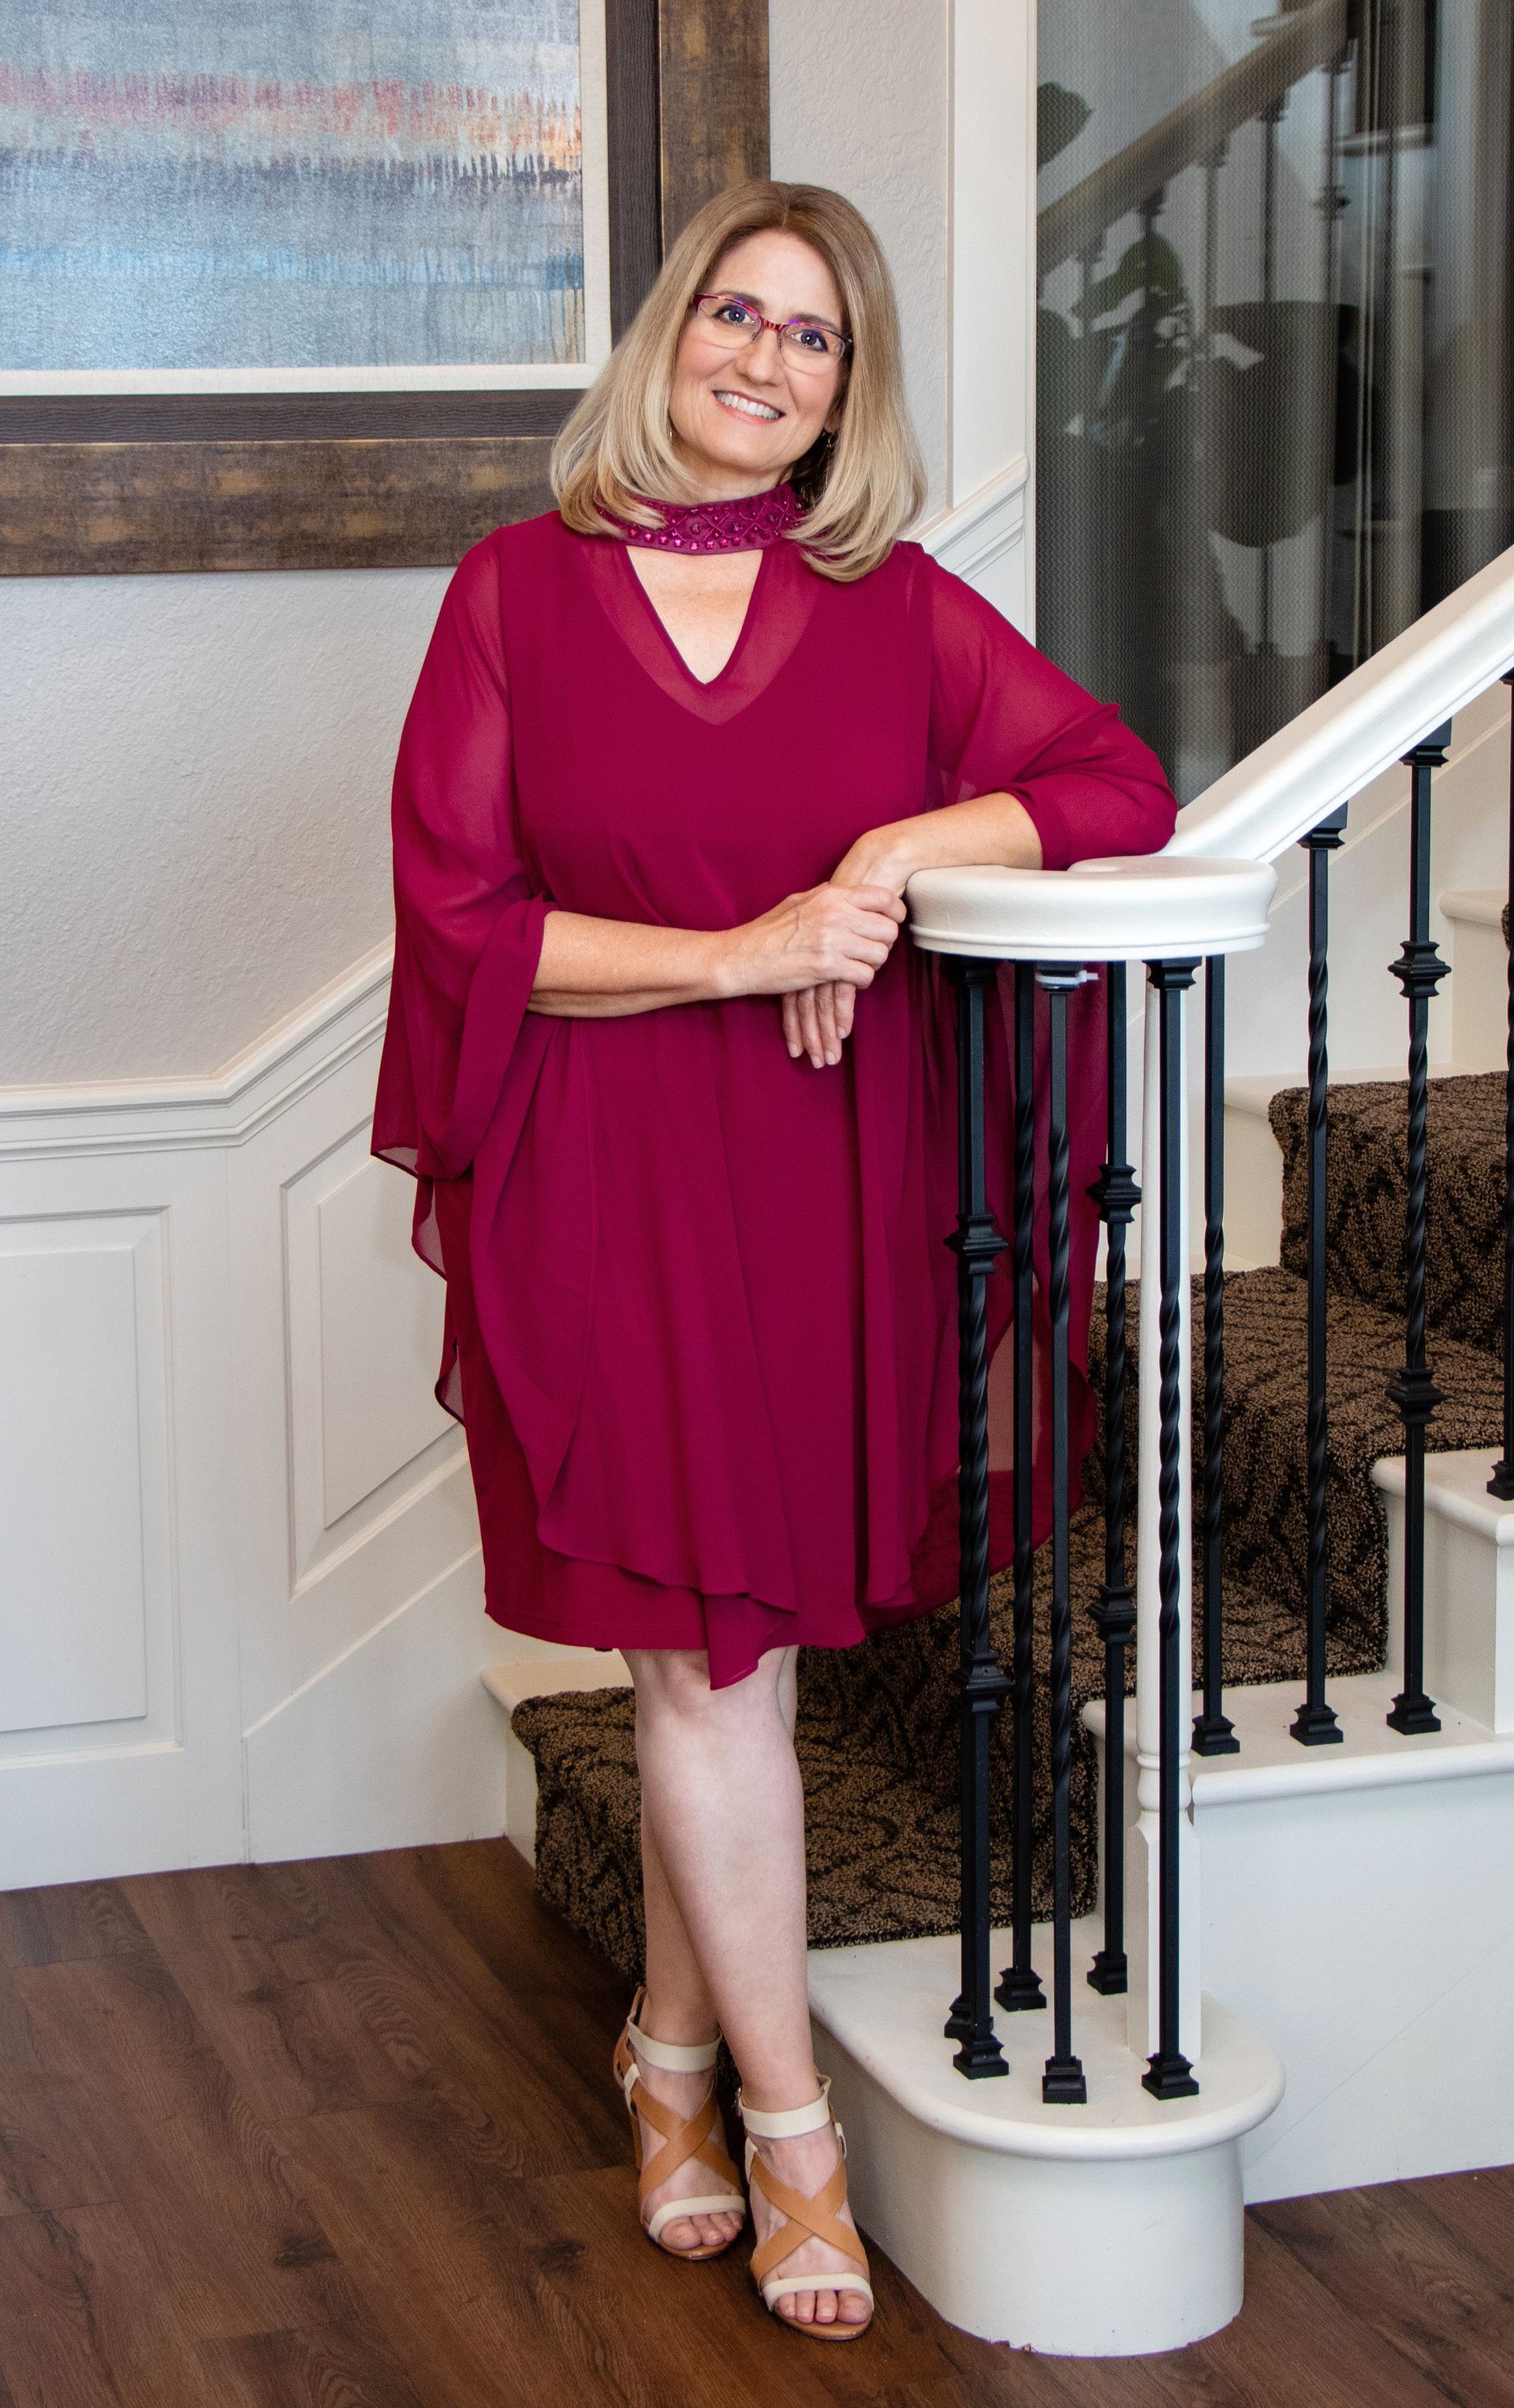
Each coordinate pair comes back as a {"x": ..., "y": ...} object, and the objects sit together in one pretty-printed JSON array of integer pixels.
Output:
[
  {"x": 1478, "y": 994},
  {"x": 1075, "y": 2258},
  {"x": 1469, "y": 1584}
]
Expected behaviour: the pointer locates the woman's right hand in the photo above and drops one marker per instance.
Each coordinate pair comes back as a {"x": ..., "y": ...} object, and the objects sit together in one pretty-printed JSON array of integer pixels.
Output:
[
  {"x": 815, "y": 950},
  {"x": 830, "y": 935}
]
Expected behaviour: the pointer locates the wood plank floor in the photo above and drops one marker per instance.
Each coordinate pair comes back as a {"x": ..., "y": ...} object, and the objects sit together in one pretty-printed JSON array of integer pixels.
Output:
[{"x": 341, "y": 2135}]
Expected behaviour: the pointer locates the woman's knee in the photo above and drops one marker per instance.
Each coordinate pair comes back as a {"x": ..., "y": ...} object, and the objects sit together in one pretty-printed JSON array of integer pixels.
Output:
[{"x": 674, "y": 1681}]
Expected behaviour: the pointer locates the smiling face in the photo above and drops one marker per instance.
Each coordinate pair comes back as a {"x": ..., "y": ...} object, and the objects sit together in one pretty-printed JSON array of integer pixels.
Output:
[{"x": 741, "y": 416}]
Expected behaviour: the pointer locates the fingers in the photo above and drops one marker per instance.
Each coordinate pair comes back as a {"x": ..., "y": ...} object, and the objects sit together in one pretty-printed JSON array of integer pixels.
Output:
[{"x": 817, "y": 1019}]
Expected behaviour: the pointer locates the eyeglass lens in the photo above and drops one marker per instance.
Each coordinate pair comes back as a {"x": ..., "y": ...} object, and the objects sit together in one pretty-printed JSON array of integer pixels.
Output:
[{"x": 735, "y": 320}]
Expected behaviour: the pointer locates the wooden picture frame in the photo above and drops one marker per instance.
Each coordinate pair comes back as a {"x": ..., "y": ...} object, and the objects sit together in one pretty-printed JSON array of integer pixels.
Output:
[{"x": 128, "y": 484}]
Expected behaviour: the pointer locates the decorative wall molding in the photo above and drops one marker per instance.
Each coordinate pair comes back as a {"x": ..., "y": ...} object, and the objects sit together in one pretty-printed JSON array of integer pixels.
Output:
[
  {"x": 224, "y": 1109},
  {"x": 233, "y": 1503},
  {"x": 971, "y": 538}
]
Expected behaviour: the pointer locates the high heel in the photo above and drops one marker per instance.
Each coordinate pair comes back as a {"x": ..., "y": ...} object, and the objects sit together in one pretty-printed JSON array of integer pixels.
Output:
[
  {"x": 681, "y": 2141},
  {"x": 808, "y": 2219}
]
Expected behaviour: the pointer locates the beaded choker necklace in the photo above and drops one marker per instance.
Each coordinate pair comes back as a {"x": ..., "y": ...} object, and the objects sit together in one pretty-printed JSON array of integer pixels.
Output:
[{"x": 750, "y": 523}]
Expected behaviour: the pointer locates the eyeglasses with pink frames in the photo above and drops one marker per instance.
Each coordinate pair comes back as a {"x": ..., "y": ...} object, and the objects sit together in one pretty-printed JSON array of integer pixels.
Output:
[{"x": 804, "y": 344}]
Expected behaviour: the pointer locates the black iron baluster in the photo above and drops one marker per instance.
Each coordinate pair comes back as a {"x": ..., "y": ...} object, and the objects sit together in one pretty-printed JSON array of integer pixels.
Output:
[
  {"x": 1214, "y": 1733},
  {"x": 977, "y": 1246},
  {"x": 1315, "y": 1723},
  {"x": 1418, "y": 970},
  {"x": 1063, "y": 2082},
  {"x": 1020, "y": 1985},
  {"x": 1116, "y": 1194},
  {"x": 1168, "y": 2072},
  {"x": 1502, "y": 1482}
]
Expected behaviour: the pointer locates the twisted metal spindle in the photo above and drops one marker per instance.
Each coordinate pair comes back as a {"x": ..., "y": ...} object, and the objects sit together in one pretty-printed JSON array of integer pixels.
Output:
[
  {"x": 1315, "y": 1723},
  {"x": 978, "y": 1245},
  {"x": 1502, "y": 1482},
  {"x": 1418, "y": 970},
  {"x": 1063, "y": 2082},
  {"x": 1214, "y": 1733},
  {"x": 1020, "y": 1985},
  {"x": 1170, "y": 2074},
  {"x": 1113, "y": 1611}
]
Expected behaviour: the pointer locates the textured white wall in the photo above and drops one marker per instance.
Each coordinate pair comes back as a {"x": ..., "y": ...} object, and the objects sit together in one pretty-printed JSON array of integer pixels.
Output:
[
  {"x": 194, "y": 770},
  {"x": 194, "y": 774},
  {"x": 861, "y": 97}
]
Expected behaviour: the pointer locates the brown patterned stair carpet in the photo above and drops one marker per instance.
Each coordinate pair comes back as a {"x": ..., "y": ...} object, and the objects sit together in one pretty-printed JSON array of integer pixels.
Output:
[
  {"x": 878, "y": 1722},
  {"x": 1364, "y": 1209}
]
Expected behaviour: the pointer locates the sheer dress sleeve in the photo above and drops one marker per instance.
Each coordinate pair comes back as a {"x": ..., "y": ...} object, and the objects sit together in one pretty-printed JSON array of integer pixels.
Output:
[
  {"x": 1005, "y": 719},
  {"x": 468, "y": 912}
]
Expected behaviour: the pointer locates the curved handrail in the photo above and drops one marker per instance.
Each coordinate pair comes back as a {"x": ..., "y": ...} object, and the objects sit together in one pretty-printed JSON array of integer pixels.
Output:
[{"x": 1361, "y": 727}]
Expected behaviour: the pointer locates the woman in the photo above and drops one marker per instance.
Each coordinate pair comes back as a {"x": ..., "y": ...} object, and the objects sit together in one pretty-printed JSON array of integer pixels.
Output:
[{"x": 681, "y": 1101}]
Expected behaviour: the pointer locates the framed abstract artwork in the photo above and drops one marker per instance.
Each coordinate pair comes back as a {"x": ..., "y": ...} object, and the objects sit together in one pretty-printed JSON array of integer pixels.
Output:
[{"x": 284, "y": 287}]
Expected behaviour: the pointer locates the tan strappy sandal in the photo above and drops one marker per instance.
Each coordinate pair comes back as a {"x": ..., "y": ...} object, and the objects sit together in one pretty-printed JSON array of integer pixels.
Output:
[
  {"x": 808, "y": 2219},
  {"x": 696, "y": 2137}
]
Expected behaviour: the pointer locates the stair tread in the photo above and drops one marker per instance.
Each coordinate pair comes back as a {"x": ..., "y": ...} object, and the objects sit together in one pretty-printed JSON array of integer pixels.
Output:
[
  {"x": 1366, "y": 1197},
  {"x": 876, "y": 1744}
]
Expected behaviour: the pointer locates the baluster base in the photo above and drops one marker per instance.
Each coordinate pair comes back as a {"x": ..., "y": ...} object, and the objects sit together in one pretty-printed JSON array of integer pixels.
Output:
[
  {"x": 1109, "y": 1974},
  {"x": 1315, "y": 1726},
  {"x": 1214, "y": 1735},
  {"x": 1410, "y": 1716},
  {"x": 1062, "y": 2083},
  {"x": 1170, "y": 2077},
  {"x": 1019, "y": 1989},
  {"x": 981, "y": 2054}
]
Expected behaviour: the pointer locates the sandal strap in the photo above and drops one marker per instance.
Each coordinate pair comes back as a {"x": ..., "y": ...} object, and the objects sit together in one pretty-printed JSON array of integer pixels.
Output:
[
  {"x": 668, "y": 2056},
  {"x": 680, "y": 2138},
  {"x": 724, "y": 2202},
  {"x": 787, "y": 2123},
  {"x": 808, "y": 2219}
]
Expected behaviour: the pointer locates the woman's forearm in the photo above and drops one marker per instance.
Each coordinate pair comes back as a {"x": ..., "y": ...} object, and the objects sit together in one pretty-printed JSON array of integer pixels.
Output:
[
  {"x": 603, "y": 969},
  {"x": 992, "y": 829}
]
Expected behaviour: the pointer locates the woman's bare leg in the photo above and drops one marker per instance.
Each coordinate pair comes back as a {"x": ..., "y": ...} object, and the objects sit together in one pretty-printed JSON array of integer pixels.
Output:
[{"x": 723, "y": 1808}]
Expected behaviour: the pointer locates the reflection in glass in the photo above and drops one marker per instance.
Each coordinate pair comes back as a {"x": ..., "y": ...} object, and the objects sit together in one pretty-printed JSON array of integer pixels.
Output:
[{"x": 1274, "y": 411}]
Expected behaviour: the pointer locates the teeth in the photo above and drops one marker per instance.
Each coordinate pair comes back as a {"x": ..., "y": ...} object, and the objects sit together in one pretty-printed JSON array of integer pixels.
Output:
[{"x": 751, "y": 409}]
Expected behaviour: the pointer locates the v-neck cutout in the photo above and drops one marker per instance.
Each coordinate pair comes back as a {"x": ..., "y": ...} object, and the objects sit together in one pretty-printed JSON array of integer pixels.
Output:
[
  {"x": 705, "y": 685},
  {"x": 784, "y": 595}
]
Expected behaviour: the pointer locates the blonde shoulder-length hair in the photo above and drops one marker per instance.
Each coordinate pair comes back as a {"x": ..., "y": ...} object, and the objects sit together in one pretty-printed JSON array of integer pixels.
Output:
[{"x": 861, "y": 491}]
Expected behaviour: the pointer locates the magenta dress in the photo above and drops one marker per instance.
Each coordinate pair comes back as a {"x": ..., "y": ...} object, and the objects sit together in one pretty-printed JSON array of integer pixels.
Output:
[{"x": 700, "y": 1312}]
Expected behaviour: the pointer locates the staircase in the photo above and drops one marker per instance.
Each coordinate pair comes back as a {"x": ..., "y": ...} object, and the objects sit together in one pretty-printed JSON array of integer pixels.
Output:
[
  {"x": 877, "y": 1723},
  {"x": 1333, "y": 1957}
]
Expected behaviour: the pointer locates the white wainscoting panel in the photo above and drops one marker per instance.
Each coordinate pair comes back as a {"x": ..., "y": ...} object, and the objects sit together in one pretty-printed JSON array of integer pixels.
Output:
[
  {"x": 118, "y": 1707},
  {"x": 363, "y": 1340},
  {"x": 85, "y": 1554},
  {"x": 395, "y": 1745},
  {"x": 240, "y": 1591},
  {"x": 380, "y": 1334}
]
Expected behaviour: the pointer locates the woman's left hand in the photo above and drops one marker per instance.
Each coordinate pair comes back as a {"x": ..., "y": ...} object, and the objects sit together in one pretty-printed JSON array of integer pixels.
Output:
[{"x": 817, "y": 1019}]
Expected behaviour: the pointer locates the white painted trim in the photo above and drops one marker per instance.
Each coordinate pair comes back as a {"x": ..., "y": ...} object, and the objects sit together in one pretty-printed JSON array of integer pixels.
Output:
[
  {"x": 1469, "y": 1505},
  {"x": 1482, "y": 906},
  {"x": 970, "y": 538},
  {"x": 993, "y": 241},
  {"x": 1271, "y": 1765},
  {"x": 225, "y": 1109}
]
